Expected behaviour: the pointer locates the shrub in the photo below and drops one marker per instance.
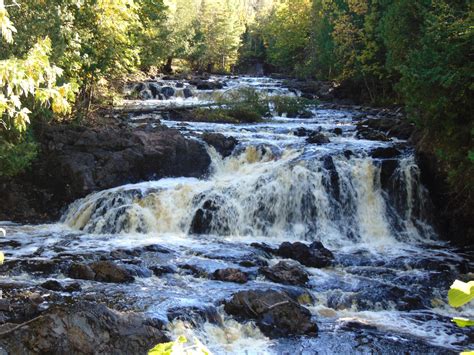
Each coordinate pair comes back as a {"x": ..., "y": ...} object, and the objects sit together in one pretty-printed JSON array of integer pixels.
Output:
[
  {"x": 292, "y": 106},
  {"x": 15, "y": 158}
]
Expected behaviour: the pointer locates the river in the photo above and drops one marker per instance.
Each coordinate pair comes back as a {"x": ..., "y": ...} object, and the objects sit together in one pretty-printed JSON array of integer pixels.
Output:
[{"x": 385, "y": 293}]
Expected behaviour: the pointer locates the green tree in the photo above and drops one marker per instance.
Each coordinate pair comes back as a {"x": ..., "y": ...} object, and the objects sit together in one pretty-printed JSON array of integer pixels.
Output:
[{"x": 25, "y": 84}]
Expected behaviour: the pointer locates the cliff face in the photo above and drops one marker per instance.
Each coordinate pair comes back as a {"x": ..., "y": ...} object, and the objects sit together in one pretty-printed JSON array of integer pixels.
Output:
[{"x": 75, "y": 161}]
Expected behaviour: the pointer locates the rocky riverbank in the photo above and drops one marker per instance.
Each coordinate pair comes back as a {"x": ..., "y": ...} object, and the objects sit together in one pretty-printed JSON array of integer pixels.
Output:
[{"x": 75, "y": 160}]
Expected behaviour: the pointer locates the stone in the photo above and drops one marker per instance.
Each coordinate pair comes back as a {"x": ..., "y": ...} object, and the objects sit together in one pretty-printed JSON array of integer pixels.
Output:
[
  {"x": 314, "y": 255},
  {"x": 83, "y": 328},
  {"x": 318, "y": 138},
  {"x": 230, "y": 275},
  {"x": 275, "y": 313},
  {"x": 52, "y": 285},
  {"x": 81, "y": 271},
  {"x": 222, "y": 144},
  {"x": 107, "y": 271},
  {"x": 285, "y": 272}
]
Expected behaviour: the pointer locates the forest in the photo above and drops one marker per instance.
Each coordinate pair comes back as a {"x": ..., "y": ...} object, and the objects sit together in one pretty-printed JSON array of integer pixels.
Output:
[
  {"x": 236, "y": 176},
  {"x": 61, "y": 56}
]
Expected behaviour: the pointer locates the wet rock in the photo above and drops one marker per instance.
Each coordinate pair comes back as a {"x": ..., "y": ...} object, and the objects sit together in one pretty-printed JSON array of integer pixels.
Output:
[
  {"x": 202, "y": 221},
  {"x": 302, "y": 132},
  {"x": 264, "y": 247},
  {"x": 331, "y": 180},
  {"x": 224, "y": 145},
  {"x": 318, "y": 138},
  {"x": 46, "y": 267},
  {"x": 195, "y": 315},
  {"x": 371, "y": 134},
  {"x": 146, "y": 95},
  {"x": 314, "y": 255},
  {"x": 305, "y": 114},
  {"x": 288, "y": 273},
  {"x": 230, "y": 275},
  {"x": 73, "y": 287},
  {"x": 160, "y": 270},
  {"x": 107, "y": 271},
  {"x": 337, "y": 131},
  {"x": 385, "y": 153},
  {"x": 84, "y": 328},
  {"x": 155, "y": 248},
  {"x": 194, "y": 270},
  {"x": 81, "y": 272},
  {"x": 52, "y": 285},
  {"x": 208, "y": 85},
  {"x": 167, "y": 91},
  {"x": 275, "y": 313},
  {"x": 187, "y": 93},
  {"x": 155, "y": 89},
  {"x": 139, "y": 271},
  {"x": 253, "y": 263}
]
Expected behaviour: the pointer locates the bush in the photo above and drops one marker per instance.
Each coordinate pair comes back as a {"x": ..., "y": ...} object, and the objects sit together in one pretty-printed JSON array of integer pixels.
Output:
[
  {"x": 15, "y": 158},
  {"x": 292, "y": 106},
  {"x": 245, "y": 100}
]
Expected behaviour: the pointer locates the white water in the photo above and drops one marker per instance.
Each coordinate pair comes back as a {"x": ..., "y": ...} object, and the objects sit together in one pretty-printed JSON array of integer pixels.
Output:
[{"x": 274, "y": 188}]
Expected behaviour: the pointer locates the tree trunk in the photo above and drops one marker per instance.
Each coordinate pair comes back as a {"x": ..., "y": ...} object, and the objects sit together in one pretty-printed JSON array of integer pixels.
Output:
[{"x": 168, "y": 67}]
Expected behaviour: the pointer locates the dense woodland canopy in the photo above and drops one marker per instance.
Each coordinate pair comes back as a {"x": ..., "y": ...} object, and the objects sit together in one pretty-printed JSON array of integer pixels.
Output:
[{"x": 57, "y": 57}]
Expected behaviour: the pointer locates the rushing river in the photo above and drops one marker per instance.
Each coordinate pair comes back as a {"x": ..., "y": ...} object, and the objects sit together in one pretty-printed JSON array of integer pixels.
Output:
[{"x": 386, "y": 292}]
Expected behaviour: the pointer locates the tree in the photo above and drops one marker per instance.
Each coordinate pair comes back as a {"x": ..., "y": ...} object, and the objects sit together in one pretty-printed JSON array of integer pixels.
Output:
[{"x": 25, "y": 83}]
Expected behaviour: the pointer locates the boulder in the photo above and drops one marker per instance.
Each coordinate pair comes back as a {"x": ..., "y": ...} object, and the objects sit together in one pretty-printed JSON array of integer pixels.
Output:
[
  {"x": 107, "y": 271},
  {"x": 207, "y": 85},
  {"x": 302, "y": 132},
  {"x": 168, "y": 91},
  {"x": 195, "y": 315},
  {"x": 385, "y": 153},
  {"x": 81, "y": 272},
  {"x": 275, "y": 313},
  {"x": 230, "y": 275},
  {"x": 224, "y": 145},
  {"x": 155, "y": 89},
  {"x": 83, "y": 328},
  {"x": 187, "y": 93},
  {"x": 146, "y": 95},
  {"x": 285, "y": 272},
  {"x": 202, "y": 221},
  {"x": 52, "y": 285},
  {"x": 371, "y": 134},
  {"x": 314, "y": 255},
  {"x": 318, "y": 138}
]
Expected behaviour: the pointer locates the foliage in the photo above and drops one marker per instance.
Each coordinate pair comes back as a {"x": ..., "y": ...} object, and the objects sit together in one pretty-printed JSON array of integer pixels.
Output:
[
  {"x": 245, "y": 99},
  {"x": 26, "y": 84},
  {"x": 180, "y": 346},
  {"x": 292, "y": 106},
  {"x": 15, "y": 158},
  {"x": 461, "y": 293},
  {"x": 287, "y": 35},
  {"x": 415, "y": 53}
]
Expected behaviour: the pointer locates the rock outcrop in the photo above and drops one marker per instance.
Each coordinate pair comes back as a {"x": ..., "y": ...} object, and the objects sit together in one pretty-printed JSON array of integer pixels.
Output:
[
  {"x": 83, "y": 328},
  {"x": 75, "y": 161}
]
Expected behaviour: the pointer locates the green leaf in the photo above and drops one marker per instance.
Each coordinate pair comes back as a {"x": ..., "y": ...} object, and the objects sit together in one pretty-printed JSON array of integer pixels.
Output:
[
  {"x": 180, "y": 346},
  {"x": 461, "y": 293},
  {"x": 463, "y": 322}
]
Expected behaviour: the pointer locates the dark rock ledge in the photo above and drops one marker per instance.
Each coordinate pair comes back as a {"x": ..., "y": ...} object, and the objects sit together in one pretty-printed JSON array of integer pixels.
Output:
[{"x": 75, "y": 161}]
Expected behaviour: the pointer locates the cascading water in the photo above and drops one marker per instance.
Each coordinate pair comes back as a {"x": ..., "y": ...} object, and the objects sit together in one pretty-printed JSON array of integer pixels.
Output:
[
  {"x": 387, "y": 289},
  {"x": 291, "y": 194}
]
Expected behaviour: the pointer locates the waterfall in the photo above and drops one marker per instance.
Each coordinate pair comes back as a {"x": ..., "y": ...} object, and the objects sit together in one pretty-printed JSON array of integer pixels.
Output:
[{"x": 255, "y": 192}]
